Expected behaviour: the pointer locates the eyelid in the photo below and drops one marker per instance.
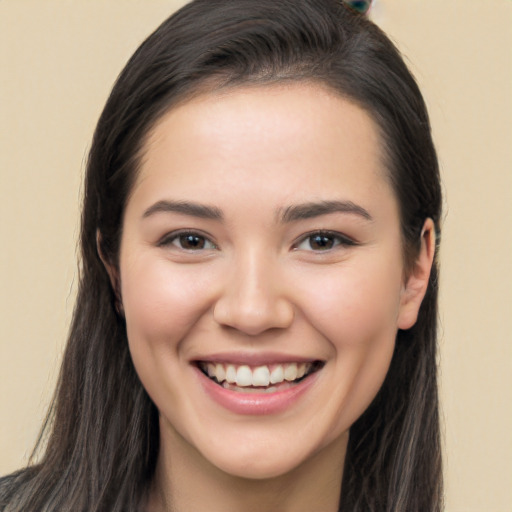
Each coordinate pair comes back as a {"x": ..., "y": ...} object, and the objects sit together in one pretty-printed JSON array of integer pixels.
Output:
[{"x": 343, "y": 240}]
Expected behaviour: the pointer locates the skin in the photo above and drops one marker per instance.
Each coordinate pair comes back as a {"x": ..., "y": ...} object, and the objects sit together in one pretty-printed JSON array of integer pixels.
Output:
[{"x": 256, "y": 284}]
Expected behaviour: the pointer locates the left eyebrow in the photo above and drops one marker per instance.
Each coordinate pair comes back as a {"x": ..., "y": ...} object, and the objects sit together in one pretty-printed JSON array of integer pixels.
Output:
[{"x": 310, "y": 210}]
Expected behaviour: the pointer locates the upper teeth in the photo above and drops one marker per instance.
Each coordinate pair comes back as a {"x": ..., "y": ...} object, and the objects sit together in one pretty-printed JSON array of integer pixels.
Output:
[{"x": 244, "y": 375}]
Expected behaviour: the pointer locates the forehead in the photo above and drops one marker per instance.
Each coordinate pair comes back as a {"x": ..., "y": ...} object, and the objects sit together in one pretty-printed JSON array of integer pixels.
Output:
[{"x": 296, "y": 139}]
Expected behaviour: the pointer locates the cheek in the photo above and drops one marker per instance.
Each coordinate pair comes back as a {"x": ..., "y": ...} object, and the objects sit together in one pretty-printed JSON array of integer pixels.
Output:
[
  {"x": 161, "y": 303},
  {"x": 356, "y": 312},
  {"x": 353, "y": 308}
]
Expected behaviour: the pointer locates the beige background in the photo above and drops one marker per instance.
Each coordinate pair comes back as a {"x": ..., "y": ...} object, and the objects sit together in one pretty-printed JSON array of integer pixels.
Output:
[{"x": 58, "y": 60}]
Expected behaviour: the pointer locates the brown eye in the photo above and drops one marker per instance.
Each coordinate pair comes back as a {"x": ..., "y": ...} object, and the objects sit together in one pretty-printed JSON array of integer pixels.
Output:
[
  {"x": 323, "y": 241},
  {"x": 191, "y": 241},
  {"x": 188, "y": 241}
]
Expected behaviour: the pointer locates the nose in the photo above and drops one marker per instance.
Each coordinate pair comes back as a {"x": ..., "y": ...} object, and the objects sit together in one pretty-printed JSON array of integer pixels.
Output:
[{"x": 253, "y": 299}]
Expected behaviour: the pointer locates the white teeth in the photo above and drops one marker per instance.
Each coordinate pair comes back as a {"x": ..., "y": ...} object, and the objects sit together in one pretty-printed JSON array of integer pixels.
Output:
[
  {"x": 261, "y": 376},
  {"x": 290, "y": 372},
  {"x": 277, "y": 375},
  {"x": 231, "y": 374},
  {"x": 243, "y": 376},
  {"x": 220, "y": 373}
]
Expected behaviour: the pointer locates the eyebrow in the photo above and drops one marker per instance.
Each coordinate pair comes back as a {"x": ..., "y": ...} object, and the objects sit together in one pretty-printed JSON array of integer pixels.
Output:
[
  {"x": 315, "y": 209},
  {"x": 289, "y": 214},
  {"x": 192, "y": 209}
]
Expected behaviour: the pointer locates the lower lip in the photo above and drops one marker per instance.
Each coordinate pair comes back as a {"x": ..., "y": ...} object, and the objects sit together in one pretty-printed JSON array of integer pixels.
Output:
[{"x": 255, "y": 403}]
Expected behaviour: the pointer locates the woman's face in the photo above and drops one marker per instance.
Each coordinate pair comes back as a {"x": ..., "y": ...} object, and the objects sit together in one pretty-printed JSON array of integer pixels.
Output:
[{"x": 261, "y": 245}]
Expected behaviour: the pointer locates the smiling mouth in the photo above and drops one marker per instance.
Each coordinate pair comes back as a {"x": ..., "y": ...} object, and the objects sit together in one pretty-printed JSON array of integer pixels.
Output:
[{"x": 259, "y": 379}]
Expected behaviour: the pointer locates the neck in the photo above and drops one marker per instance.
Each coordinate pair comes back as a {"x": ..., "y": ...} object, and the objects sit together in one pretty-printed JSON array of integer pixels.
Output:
[{"x": 184, "y": 481}]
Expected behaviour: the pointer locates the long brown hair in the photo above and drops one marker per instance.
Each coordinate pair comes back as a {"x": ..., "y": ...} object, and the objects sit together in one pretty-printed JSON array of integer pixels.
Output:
[{"x": 102, "y": 429}]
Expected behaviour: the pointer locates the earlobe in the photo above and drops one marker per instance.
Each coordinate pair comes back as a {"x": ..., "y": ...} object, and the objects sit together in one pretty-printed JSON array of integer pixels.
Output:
[{"x": 418, "y": 279}]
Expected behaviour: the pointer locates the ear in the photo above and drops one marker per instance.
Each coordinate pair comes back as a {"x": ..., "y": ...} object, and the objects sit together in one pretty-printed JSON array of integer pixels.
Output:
[
  {"x": 417, "y": 281},
  {"x": 112, "y": 271}
]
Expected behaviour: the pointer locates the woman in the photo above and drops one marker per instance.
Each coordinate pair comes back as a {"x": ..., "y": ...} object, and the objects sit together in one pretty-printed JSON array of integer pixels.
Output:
[{"x": 255, "y": 326}]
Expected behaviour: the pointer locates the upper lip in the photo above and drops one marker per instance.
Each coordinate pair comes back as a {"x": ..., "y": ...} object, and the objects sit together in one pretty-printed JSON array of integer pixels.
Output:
[{"x": 253, "y": 358}]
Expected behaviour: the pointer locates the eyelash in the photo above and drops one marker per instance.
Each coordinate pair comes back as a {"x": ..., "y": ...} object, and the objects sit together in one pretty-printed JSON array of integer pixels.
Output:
[{"x": 333, "y": 237}]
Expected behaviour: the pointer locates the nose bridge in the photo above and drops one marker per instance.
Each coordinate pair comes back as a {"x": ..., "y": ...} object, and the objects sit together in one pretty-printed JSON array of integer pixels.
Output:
[{"x": 254, "y": 299}]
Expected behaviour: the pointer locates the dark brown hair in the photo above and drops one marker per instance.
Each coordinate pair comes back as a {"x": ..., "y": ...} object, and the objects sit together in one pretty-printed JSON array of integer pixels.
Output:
[{"x": 102, "y": 428}]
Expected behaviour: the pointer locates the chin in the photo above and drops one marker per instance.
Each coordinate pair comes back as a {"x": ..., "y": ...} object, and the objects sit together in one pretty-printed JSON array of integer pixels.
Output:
[
  {"x": 264, "y": 458},
  {"x": 258, "y": 469}
]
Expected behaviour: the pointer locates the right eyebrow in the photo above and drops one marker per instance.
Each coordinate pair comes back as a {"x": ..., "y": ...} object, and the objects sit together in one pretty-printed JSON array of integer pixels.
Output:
[{"x": 192, "y": 209}]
